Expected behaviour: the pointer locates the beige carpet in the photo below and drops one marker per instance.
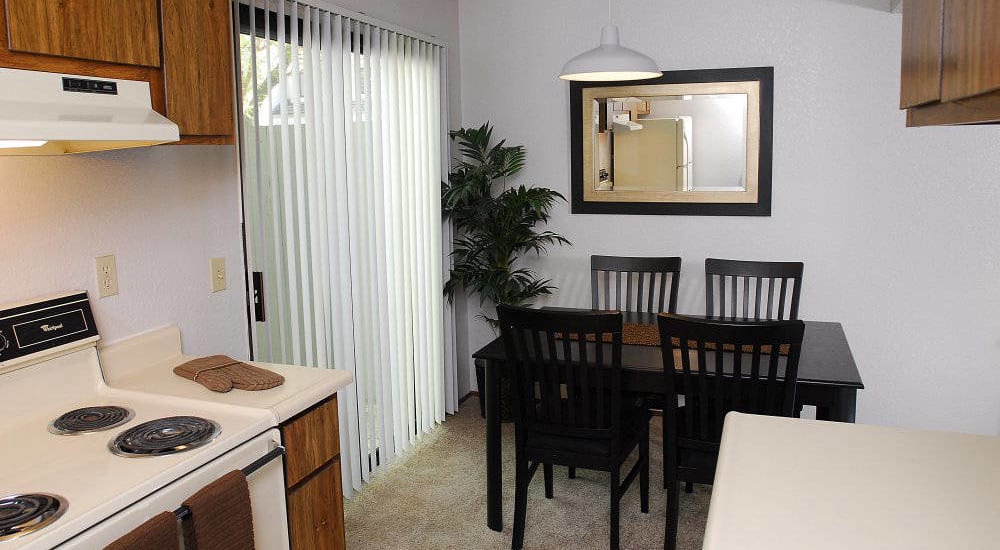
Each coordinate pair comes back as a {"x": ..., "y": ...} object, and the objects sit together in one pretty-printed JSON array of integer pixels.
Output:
[{"x": 435, "y": 498}]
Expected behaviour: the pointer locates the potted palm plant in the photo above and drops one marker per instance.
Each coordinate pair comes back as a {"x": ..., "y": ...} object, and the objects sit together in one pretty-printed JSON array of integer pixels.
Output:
[{"x": 496, "y": 224}]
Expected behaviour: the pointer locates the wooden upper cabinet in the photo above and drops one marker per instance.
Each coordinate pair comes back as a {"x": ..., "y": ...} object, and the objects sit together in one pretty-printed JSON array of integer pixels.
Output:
[
  {"x": 198, "y": 66},
  {"x": 191, "y": 81},
  {"x": 950, "y": 62},
  {"x": 971, "y": 63},
  {"x": 920, "y": 82},
  {"x": 114, "y": 31}
]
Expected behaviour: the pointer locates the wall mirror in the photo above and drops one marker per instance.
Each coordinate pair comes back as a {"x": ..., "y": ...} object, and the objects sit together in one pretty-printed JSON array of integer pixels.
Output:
[{"x": 690, "y": 143}]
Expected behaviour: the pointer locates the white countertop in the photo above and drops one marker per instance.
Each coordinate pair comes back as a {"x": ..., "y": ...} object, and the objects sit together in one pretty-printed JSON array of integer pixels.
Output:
[
  {"x": 785, "y": 483},
  {"x": 146, "y": 362}
]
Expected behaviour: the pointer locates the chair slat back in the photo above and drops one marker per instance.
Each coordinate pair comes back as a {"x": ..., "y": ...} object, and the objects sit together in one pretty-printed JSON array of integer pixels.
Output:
[
  {"x": 721, "y": 366},
  {"x": 752, "y": 290},
  {"x": 634, "y": 284},
  {"x": 567, "y": 370}
]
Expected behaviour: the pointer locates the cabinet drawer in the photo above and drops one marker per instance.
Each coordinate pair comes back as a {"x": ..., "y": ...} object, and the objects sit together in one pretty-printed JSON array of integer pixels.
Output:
[
  {"x": 316, "y": 512},
  {"x": 311, "y": 440},
  {"x": 115, "y": 31}
]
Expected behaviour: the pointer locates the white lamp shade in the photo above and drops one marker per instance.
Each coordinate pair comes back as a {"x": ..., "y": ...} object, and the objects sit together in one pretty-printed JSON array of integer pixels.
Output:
[{"x": 610, "y": 61}]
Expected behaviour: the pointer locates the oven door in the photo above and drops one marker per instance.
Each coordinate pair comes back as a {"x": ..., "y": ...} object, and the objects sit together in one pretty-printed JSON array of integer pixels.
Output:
[{"x": 267, "y": 497}]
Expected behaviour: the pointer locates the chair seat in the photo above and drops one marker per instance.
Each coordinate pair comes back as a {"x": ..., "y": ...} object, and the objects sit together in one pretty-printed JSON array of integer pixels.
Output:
[{"x": 634, "y": 421}]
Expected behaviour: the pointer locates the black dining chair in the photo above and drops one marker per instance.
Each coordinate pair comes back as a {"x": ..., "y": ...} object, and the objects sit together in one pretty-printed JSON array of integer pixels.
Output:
[
  {"x": 718, "y": 367},
  {"x": 649, "y": 284},
  {"x": 752, "y": 290},
  {"x": 639, "y": 284},
  {"x": 570, "y": 409}
]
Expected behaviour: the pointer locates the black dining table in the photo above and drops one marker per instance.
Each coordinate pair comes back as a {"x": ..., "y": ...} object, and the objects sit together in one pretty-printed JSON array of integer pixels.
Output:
[{"x": 828, "y": 379}]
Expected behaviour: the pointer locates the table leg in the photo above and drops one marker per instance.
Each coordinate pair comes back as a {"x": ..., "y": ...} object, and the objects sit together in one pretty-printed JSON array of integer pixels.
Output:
[
  {"x": 842, "y": 408},
  {"x": 494, "y": 472}
]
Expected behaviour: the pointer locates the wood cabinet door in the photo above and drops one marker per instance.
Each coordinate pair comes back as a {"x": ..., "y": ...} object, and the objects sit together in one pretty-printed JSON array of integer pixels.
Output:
[
  {"x": 316, "y": 512},
  {"x": 198, "y": 66},
  {"x": 311, "y": 440},
  {"x": 971, "y": 48},
  {"x": 920, "y": 80},
  {"x": 115, "y": 31}
]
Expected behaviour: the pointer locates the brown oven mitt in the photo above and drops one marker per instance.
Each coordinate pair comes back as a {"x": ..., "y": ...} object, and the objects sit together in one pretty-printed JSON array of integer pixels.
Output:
[{"x": 221, "y": 373}]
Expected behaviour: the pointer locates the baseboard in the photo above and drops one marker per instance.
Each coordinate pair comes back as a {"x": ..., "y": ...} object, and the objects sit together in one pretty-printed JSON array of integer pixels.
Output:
[{"x": 472, "y": 393}]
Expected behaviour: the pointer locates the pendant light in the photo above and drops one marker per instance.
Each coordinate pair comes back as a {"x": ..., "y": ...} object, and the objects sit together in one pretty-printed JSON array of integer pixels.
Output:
[{"x": 610, "y": 61}]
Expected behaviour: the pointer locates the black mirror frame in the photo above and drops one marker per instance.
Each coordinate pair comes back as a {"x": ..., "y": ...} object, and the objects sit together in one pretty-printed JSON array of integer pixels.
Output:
[{"x": 764, "y": 75}]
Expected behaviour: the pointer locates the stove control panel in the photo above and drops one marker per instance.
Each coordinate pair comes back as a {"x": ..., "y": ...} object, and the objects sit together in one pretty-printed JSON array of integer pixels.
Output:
[{"x": 45, "y": 324}]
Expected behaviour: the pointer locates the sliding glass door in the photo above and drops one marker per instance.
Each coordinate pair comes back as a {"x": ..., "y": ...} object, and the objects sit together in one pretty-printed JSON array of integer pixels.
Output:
[{"x": 343, "y": 147}]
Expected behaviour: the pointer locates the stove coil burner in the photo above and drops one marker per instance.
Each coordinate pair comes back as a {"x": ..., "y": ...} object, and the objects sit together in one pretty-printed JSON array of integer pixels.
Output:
[
  {"x": 23, "y": 514},
  {"x": 164, "y": 436},
  {"x": 90, "y": 419}
]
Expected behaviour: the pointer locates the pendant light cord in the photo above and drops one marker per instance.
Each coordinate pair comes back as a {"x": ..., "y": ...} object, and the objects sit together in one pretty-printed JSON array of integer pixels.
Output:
[{"x": 611, "y": 20}]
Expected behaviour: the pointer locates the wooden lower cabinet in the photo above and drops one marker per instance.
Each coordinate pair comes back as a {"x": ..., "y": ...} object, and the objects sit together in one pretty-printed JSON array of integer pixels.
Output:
[
  {"x": 312, "y": 474},
  {"x": 316, "y": 511},
  {"x": 312, "y": 439}
]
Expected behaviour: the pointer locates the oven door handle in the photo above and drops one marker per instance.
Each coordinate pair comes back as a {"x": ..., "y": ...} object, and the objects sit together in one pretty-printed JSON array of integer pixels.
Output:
[
  {"x": 184, "y": 512},
  {"x": 260, "y": 462}
]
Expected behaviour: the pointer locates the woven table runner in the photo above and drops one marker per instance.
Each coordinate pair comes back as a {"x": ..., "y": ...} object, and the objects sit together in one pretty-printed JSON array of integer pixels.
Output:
[{"x": 636, "y": 334}]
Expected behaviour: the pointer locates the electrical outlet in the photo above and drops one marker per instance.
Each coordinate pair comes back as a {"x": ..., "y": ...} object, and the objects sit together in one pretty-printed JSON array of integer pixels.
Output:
[
  {"x": 107, "y": 276},
  {"x": 218, "y": 274}
]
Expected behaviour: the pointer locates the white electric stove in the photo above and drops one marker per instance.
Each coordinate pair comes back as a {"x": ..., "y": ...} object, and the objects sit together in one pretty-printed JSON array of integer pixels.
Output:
[{"x": 136, "y": 454}]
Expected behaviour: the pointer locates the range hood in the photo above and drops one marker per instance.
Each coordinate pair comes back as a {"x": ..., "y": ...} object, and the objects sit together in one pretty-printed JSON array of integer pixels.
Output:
[
  {"x": 54, "y": 114},
  {"x": 621, "y": 122}
]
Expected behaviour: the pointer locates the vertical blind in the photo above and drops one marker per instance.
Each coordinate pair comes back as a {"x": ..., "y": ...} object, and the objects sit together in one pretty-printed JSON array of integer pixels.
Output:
[{"x": 344, "y": 139}]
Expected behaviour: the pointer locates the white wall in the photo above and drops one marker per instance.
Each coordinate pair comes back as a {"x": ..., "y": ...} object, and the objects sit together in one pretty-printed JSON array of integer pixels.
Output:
[
  {"x": 897, "y": 227},
  {"x": 162, "y": 211}
]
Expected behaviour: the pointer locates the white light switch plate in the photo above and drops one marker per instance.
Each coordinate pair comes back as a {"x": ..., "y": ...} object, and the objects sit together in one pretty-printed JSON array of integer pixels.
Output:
[
  {"x": 218, "y": 274},
  {"x": 107, "y": 276}
]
